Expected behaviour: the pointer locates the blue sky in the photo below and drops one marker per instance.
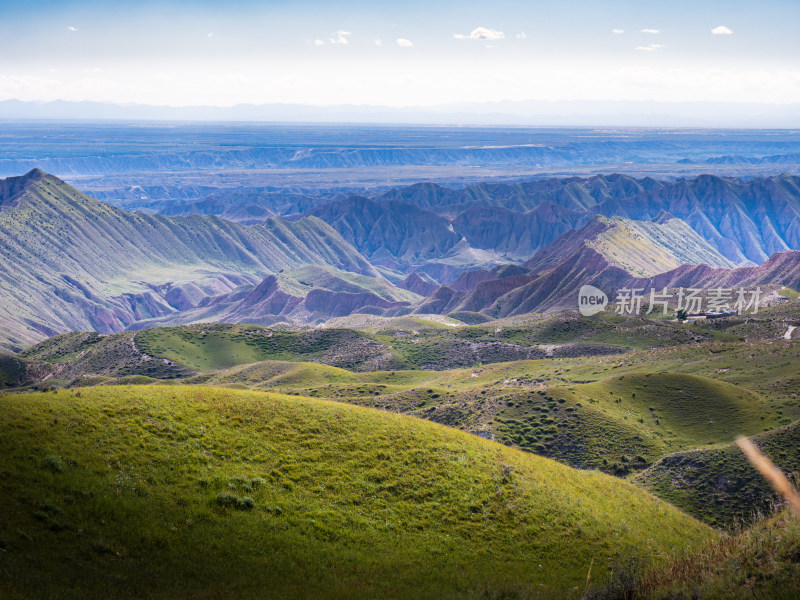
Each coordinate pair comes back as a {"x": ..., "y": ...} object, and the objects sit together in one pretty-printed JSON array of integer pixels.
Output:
[{"x": 399, "y": 53}]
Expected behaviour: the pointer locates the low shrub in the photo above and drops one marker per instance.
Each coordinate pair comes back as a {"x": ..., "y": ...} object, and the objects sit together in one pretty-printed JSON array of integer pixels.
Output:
[
  {"x": 53, "y": 463},
  {"x": 233, "y": 501}
]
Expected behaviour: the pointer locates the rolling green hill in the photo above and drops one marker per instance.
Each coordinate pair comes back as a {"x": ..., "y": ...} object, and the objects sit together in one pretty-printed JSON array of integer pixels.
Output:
[
  {"x": 620, "y": 414},
  {"x": 214, "y": 346},
  {"x": 13, "y": 371},
  {"x": 563, "y": 336},
  {"x": 380, "y": 343},
  {"x": 618, "y": 425},
  {"x": 80, "y": 354},
  {"x": 627, "y": 422},
  {"x": 617, "y": 413},
  {"x": 613, "y": 425},
  {"x": 172, "y": 352},
  {"x": 187, "y": 492}
]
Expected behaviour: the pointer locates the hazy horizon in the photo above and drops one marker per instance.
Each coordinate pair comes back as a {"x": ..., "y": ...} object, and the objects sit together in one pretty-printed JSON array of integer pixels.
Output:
[
  {"x": 417, "y": 54},
  {"x": 637, "y": 114}
]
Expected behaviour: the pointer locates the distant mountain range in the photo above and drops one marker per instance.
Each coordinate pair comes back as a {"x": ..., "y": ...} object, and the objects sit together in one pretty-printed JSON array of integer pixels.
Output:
[
  {"x": 525, "y": 112},
  {"x": 431, "y": 229},
  {"x": 609, "y": 254},
  {"x": 69, "y": 262}
]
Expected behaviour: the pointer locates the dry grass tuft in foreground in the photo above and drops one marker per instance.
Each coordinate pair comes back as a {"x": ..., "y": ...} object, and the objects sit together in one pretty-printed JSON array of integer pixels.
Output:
[
  {"x": 761, "y": 562},
  {"x": 771, "y": 473}
]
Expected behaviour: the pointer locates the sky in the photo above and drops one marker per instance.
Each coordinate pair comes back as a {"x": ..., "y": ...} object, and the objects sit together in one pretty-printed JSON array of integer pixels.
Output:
[{"x": 399, "y": 53}]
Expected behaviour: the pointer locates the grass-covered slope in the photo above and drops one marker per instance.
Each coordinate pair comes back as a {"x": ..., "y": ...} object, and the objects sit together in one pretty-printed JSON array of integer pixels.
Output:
[
  {"x": 563, "y": 336},
  {"x": 187, "y": 492},
  {"x": 70, "y": 356},
  {"x": 215, "y": 346},
  {"x": 378, "y": 343},
  {"x": 173, "y": 352},
  {"x": 13, "y": 371},
  {"x": 627, "y": 422},
  {"x": 617, "y": 413},
  {"x": 617, "y": 424},
  {"x": 69, "y": 262},
  {"x": 718, "y": 485}
]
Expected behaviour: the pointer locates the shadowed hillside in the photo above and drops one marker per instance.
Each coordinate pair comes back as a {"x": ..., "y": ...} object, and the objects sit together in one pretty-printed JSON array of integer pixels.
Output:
[{"x": 718, "y": 485}]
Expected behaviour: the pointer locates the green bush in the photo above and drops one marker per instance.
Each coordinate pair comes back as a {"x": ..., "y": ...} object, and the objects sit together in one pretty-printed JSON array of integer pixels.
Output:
[
  {"x": 53, "y": 463},
  {"x": 232, "y": 501}
]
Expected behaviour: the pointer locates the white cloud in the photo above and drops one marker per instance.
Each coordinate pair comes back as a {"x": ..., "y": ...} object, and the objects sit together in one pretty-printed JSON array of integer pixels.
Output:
[
  {"x": 481, "y": 33},
  {"x": 379, "y": 42},
  {"x": 521, "y": 36},
  {"x": 210, "y": 35},
  {"x": 650, "y": 47},
  {"x": 340, "y": 37},
  {"x": 319, "y": 43},
  {"x": 722, "y": 30},
  {"x": 72, "y": 28},
  {"x": 617, "y": 31},
  {"x": 651, "y": 31},
  {"x": 404, "y": 43}
]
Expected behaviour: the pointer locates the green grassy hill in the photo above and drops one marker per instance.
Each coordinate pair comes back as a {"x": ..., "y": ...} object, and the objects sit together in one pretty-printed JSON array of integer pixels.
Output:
[
  {"x": 400, "y": 343},
  {"x": 624, "y": 423},
  {"x": 617, "y": 424},
  {"x": 174, "y": 352},
  {"x": 562, "y": 336},
  {"x": 187, "y": 492},
  {"x": 371, "y": 343},
  {"x": 13, "y": 371},
  {"x": 215, "y": 346},
  {"x": 618, "y": 413},
  {"x": 718, "y": 485},
  {"x": 65, "y": 357}
]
